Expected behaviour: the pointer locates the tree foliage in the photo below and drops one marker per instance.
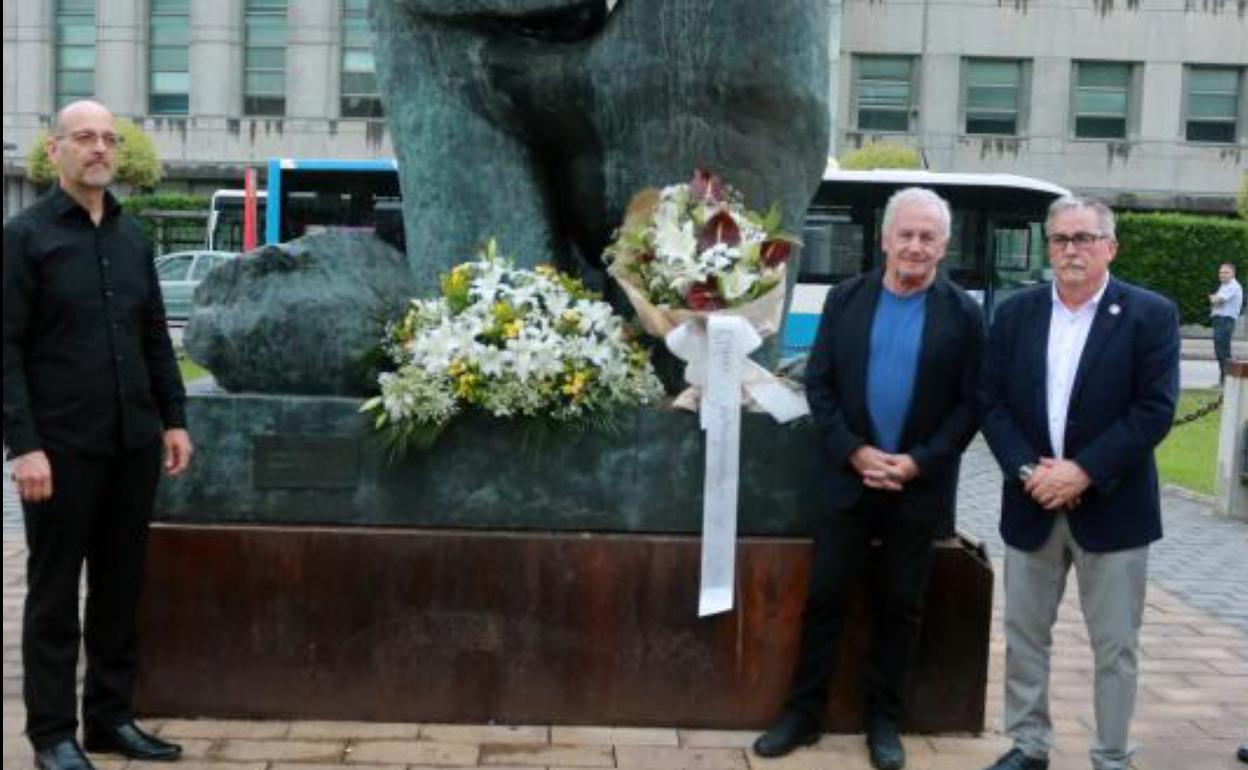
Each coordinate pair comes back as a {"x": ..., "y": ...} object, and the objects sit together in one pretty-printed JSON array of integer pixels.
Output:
[
  {"x": 880, "y": 155},
  {"x": 137, "y": 162}
]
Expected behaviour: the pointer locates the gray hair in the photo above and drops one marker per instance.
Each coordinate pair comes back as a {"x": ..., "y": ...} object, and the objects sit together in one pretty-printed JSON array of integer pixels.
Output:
[
  {"x": 919, "y": 196},
  {"x": 1104, "y": 215}
]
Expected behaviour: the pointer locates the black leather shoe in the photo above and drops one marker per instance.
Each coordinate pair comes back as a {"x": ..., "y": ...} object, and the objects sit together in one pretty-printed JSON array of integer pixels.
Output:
[
  {"x": 66, "y": 755},
  {"x": 789, "y": 732},
  {"x": 884, "y": 744},
  {"x": 130, "y": 741},
  {"x": 1243, "y": 753},
  {"x": 1015, "y": 759}
]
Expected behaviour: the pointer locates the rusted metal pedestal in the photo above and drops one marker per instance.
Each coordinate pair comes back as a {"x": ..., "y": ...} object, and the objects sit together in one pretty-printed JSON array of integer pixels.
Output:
[{"x": 515, "y": 627}]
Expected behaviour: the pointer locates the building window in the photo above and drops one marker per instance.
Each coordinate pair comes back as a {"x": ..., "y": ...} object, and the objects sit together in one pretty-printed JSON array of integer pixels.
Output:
[
  {"x": 1102, "y": 99},
  {"x": 264, "y": 66},
  {"x": 1211, "y": 103},
  {"x": 75, "y": 50},
  {"x": 993, "y": 96},
  {"x": 169, "y": 28},
  {"x": 360, "y": 98},
  {"x": 884, "y": 92}
]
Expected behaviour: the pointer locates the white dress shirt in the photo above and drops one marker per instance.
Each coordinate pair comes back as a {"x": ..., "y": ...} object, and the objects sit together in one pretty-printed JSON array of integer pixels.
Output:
[
  {"x": 1068, "y": 334},
  {"x": 1228, "y": 300}
]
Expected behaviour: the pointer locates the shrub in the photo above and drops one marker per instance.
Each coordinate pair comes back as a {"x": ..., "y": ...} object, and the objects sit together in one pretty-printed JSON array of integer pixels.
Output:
[
  {"x": 880, "y": 155},
  {"x": 169, "y": 232},
  {"x": 1178, "y": 255},
  {"x": 137, "y": 204},
  {"x": 137, "y": 164}
]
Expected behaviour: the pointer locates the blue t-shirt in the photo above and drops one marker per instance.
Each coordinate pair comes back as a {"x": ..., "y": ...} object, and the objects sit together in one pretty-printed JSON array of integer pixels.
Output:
[{"x": 893, "y": 362}]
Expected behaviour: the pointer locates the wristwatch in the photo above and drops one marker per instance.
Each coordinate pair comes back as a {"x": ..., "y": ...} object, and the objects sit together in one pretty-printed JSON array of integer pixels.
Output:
[{"x": 1025, "y": 472}]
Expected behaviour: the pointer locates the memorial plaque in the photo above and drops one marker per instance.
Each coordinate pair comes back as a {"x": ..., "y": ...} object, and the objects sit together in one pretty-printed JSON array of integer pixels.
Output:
[{"x": 305, "y": 462}]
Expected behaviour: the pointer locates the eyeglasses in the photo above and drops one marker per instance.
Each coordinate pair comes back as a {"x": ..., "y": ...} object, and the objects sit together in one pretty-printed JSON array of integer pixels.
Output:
[
  {"x": 89, "y": 138},
  {"x": 1060, "y": 241}
]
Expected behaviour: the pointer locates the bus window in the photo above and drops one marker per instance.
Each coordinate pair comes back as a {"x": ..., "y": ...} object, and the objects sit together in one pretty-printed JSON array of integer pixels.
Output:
[
  {"x": 322, "y": 195},
  {"x": 963, "y": 261},
  {"x": 1018, "y": 255},
  {"x": 832, "y": 247}
]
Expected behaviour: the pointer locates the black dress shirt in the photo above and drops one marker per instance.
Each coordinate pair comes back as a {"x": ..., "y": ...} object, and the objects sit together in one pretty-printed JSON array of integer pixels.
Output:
[{"x": 88, "y": 364}]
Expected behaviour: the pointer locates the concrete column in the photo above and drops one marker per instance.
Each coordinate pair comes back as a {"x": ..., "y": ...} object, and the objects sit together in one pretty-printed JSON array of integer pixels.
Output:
[
  {"x": 1050, "y": 97},
  {"x": 1232, "y": 463},
  {"x": 834, "y": 71},
  {"x": 29, "y": 68},
  {"x": 121, "y": 79},
  {"x": 312, "y": 58},
  {"x": 216, "y": 58},
  {"x": 1161, "y": 102}
]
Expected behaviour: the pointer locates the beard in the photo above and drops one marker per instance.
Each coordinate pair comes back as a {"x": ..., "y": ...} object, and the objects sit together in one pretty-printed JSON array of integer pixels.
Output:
[{"x": 97, "y": 175}]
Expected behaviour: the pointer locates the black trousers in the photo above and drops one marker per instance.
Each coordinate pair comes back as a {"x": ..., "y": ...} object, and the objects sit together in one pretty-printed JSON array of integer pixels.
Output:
[
  {"x": 98, "y": 514},
  {"x": 842, "y": 546},
  {"x": 1223, "y": 328}
]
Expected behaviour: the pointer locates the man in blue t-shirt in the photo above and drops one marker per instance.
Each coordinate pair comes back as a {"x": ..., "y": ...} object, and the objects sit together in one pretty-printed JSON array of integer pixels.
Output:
[{"x": 891, "y": 383}]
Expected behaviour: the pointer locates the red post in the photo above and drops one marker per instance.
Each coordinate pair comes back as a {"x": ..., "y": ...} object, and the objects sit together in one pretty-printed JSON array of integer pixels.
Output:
[{"x": 249, "y": 209}]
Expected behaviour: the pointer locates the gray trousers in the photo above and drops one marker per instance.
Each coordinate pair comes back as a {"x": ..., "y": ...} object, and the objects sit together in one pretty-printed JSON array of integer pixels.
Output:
[{"x": 1111, "y": 594}]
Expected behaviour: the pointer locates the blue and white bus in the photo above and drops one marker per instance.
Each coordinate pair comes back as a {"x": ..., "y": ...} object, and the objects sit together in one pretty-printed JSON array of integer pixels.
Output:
[
  {"x": 305, "y": 196},
  {"x": 995, "y": 248}
]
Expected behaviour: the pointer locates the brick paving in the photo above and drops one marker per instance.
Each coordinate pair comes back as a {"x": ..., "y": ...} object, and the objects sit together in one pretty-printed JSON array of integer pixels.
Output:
[{"x": 1193, "y": 700}]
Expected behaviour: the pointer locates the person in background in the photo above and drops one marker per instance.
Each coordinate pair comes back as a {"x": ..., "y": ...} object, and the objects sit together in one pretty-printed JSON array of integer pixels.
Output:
[
  {"x": 1225, "y": 305},
  {"x": 92, "y": 398}
]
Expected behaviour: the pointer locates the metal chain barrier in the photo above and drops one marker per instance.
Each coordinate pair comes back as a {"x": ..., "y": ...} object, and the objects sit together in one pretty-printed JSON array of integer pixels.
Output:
[{"x": 1199, "y": 412}]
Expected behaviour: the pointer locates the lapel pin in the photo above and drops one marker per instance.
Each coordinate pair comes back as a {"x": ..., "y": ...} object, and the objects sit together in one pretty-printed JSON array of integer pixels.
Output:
[{"x": 1115, "y": 309}]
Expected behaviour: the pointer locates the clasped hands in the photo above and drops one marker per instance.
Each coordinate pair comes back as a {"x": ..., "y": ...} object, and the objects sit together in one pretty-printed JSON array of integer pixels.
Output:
[
  {"x": 881, "y": 470},
  {"x": 1057, "y": 485}
]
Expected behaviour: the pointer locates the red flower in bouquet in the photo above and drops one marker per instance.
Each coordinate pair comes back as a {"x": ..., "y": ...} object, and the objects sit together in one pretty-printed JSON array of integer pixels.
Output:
[
  {"x": 775, "y": 252},
  {"x": 721, "y": 228},
  {"x": 704, "y": 296}
]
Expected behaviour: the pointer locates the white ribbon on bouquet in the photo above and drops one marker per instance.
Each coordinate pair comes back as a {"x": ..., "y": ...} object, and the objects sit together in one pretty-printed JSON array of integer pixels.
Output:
[{"x": 715, "y": 346}]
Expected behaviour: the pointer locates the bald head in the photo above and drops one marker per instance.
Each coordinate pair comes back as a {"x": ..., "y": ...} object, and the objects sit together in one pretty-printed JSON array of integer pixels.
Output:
[
  {"x": 83, "y": 147},
  {"x": 75, "y": 113}
]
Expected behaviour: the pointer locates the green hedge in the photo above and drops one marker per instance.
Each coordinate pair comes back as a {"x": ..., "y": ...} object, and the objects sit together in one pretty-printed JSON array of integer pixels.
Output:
[
  {"x": 169, "y": 233},
  {"x": 136, "y": 204},
  {"x": 1178, "y": 255}
]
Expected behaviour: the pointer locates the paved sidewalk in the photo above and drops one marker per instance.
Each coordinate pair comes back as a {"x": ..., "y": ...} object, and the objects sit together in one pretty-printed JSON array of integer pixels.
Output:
[{"x": 1193, "y": 700}]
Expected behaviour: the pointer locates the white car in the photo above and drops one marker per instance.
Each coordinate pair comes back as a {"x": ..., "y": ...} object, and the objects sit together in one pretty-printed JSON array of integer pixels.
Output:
[{"x": 180, "y": 272}]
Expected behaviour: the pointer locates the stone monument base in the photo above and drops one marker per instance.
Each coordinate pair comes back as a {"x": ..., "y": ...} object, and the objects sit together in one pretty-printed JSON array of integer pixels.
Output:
[{"x": 446, "y": 625}]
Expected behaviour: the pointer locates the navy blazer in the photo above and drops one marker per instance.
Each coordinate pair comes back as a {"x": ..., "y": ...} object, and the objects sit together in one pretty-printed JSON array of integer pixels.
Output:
[
  {"x": 1121, "y": 406},
  {"x": 941, "y": 420}
]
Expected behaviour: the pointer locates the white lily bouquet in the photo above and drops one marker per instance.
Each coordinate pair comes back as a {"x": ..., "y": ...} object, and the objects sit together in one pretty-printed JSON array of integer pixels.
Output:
[
  {"x": 690, "y": 251},
  {"x": 511, "y": 343}
]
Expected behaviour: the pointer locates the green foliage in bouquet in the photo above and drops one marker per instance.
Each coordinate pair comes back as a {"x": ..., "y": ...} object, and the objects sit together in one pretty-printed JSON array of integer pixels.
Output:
[{"x": 511, "y": 343}]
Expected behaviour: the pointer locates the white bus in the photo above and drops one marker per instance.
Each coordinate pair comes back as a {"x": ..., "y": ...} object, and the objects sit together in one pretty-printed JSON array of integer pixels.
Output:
[
  {"x": 225, "y": 220},
  {"x": 995, "y": 248}
]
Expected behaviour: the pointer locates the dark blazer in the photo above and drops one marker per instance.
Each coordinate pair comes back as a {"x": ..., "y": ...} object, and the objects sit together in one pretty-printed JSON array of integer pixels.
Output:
[
  {"x": 1121, "y": 406},
  {"x": 941, "y": 420}
]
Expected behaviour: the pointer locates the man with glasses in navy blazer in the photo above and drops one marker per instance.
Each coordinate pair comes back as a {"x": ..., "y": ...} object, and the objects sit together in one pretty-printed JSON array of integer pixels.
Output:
[{"x": 1079, "y": 384}]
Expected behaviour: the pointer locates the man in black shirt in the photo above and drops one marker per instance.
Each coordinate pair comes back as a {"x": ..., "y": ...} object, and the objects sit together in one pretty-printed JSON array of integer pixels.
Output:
[{"x": 92, "y": 396}]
